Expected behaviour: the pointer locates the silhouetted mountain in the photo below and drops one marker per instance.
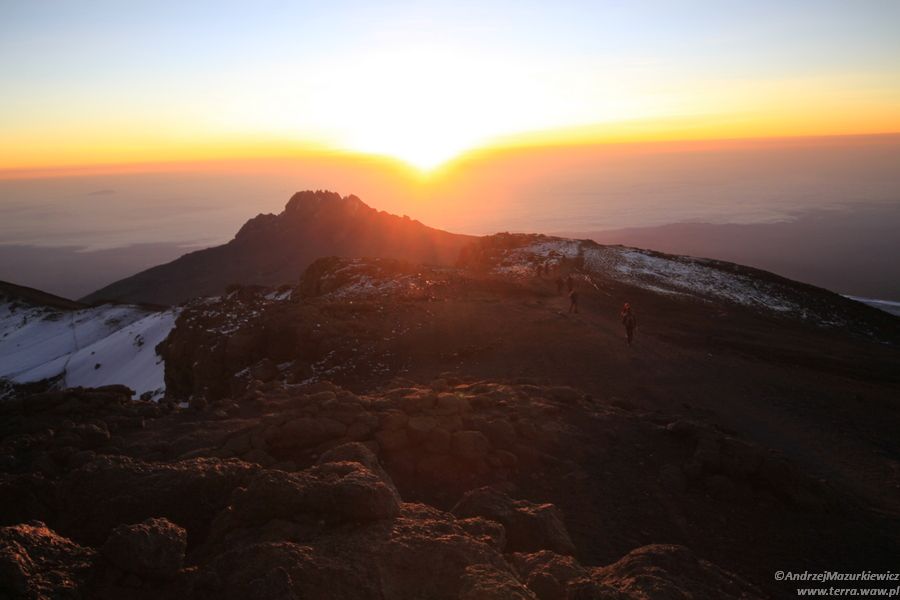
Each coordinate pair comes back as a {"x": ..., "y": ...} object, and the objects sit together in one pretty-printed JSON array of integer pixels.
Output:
[
  {"x": 10, "y": 292},
  {"x": 275, "y": 249}
]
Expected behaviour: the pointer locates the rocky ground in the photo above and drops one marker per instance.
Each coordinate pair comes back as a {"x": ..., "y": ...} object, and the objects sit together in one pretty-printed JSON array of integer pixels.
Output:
[
  {"x": 314, "y": 491},
  {"x": 386, "y": 430}
]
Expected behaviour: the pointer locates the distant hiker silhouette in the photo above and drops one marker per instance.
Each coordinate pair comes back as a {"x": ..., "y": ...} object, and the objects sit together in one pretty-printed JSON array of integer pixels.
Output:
[
  {"x": 629, "y": 321},
  {"x": 570, "y": 283},
  {"x": 573, "y": 301}
]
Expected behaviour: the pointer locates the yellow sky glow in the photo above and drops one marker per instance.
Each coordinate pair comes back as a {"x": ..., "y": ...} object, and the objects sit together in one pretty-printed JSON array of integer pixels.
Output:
[{"x": 427, "y": 108}]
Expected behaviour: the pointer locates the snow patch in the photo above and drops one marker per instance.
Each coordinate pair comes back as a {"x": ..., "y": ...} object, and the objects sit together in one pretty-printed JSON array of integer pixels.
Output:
[
  {"x": 358, "y": 280},
  {"x": 524, "y": 261},
  {"x": 686, "y": 275},
  {"x": 102, "y": 345},
  {"x": 671, "y": 275}
]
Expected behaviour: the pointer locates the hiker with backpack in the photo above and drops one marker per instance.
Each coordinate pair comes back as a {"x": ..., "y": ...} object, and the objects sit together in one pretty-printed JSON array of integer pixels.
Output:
[
  {"x": 629, "y": 321},
  {"x": 573, "y": 301}
]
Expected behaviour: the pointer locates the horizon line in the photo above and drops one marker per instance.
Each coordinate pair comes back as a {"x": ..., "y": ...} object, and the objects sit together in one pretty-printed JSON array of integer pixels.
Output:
[{"x": 529, "y": 142}]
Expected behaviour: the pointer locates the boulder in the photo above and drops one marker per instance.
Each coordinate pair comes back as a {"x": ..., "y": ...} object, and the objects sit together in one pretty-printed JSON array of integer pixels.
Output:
[
  {"x": 112, "y": 490},
  {"x": 500, "y": 432},
  {"x": 548, "y": 574},
  {"x": 670, "y": 571},
  {"x": 418, "y": 428},
  {"x": 470, "y": 445},
  {"x": 350, "y": 491},
  {"x": 485, "y": 530},
  {"x": 450, "y": 404},
  {"x": 438, "y": 441},
  {"x": 357, "y": 452},
  {"x": 334, "y": 491},
  {"x": 483, "y": 582},
  {"x": 37, "y": 563},
  {"x": 422, "y": 553},
  {"x": 153, "y": 549},
  {"x": 362, "y": 427},
  {"x": 438, "y": 467},
  {"x": 306, "y": 432},
  {"x": 91, "y": 435},
  {"x": 280, "y": 571},
  {"x": 392, "y": 439},
  {"x": 529, "y": 527},
  {"x": 416, "y": 402},
  {"x": 392, "y": 420},
  {"x": 428, "y": 555}
]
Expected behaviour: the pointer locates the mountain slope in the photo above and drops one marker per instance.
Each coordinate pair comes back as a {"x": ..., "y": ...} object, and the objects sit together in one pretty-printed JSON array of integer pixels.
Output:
[
  {"x": 45, "y": 337},
  {"x": 10, "y": 292},
  {"x": 275, "y": 249},
  {"x": 390, "y": 429},
  {"x": 749, "y": 411}
]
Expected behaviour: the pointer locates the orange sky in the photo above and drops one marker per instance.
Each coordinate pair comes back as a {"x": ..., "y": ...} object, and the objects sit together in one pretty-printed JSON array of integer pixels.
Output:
[{"x": 98, "y": 83}]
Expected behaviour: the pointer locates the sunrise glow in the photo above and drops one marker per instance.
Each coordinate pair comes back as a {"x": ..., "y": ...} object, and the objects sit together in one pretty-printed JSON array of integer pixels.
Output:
[{"x": 427, "y": 84}]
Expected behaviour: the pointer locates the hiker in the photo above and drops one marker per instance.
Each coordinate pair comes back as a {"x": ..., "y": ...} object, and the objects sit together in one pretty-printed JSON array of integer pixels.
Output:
[
  {"x": 573, "y": 301},
  {"x": 570, "y": 283},
  {"x": 559, "y": 284},
  {"x": 629, "y": 321}
]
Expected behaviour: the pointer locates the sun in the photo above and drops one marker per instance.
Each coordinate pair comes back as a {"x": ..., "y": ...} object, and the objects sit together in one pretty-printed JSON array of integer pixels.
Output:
[
  {"x": 425, "y": 150},
  {"x": 427, "y": 103},
  {"x": 423, "y": 106}
]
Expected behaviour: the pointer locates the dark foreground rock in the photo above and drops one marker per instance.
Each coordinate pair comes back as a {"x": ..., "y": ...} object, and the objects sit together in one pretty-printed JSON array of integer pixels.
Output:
[
  {"x": 528, "y": 526},
  {"x": 448, "y": 489},
  {"x": 666, "y": 571},
  {"x": 153, "y": 549},
  {"x": 36, "y": 563},
  {"x": 114, "y": 490},
  {"x": 304, "y": 499}
]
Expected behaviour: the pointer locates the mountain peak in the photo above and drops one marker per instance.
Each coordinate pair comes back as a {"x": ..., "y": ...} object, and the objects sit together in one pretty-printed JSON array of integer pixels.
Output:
[
  {"x": 306, "y": 206},
  {"x": 309, "y": 202},
  {"x": 272, "y": 249}
]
